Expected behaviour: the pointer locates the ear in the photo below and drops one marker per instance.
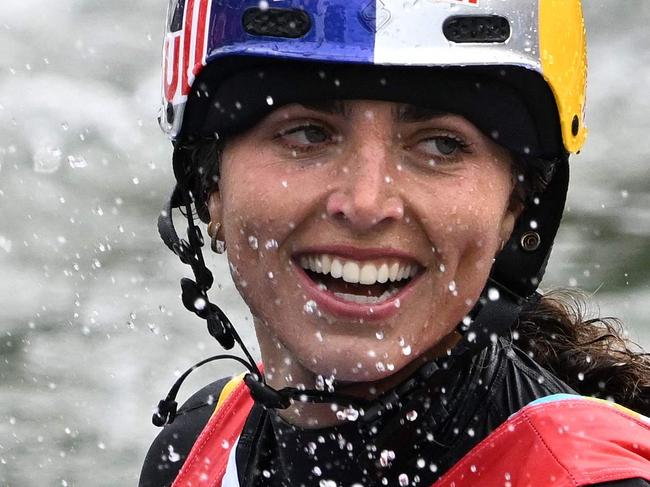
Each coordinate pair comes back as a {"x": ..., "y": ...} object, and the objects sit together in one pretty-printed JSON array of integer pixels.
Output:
[
  {"x": 215, "y": 209},
  {"x": 510, "y": 218}
]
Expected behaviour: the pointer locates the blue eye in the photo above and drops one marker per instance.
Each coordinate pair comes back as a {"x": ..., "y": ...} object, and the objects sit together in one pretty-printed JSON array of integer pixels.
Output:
[
  {"x": 305, "y": 135},
  {"x": 441, "y": 146}
]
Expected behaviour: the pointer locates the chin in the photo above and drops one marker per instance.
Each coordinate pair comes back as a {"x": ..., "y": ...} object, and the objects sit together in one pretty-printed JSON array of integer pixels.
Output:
[{"x": 350, "y": 360}]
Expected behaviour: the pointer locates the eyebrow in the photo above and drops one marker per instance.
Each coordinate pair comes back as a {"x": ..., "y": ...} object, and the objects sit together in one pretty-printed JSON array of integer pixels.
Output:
[
  {"x": 403, "y": 112},
  {"x": 333, "y": 107},
  {"x": 414, "y": 113}
]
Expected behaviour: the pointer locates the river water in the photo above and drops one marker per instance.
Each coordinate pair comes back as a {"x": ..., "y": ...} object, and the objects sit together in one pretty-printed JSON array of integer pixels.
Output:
[{"x": 92, "y": 332}]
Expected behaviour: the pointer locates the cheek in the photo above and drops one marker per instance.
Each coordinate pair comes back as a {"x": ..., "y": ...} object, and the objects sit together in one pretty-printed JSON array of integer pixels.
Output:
[
  {"x": 465, "y": 226},
  {"x": 465, "y": 231},
  {"x": 262, "y": 214}
]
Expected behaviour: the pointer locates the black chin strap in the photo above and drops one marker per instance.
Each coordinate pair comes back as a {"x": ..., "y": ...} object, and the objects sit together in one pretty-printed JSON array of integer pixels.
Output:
[{"x": 493, "y": 315}]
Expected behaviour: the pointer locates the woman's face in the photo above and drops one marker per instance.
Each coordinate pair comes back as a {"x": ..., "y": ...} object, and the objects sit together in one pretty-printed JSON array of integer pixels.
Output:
[{"x": 360, "y": 233}]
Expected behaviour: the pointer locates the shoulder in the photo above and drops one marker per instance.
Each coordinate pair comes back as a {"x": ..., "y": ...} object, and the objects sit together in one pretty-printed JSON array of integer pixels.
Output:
[
  {"x": 593, "y": 439},
  {"x": 519, "y": 379},
  {"x": 173, "y": 444},
  {"x": 563, "y": 440}
]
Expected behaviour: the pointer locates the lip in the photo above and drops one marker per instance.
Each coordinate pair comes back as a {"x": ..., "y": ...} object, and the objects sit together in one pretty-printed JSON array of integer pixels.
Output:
[{"x": 334, "y": 306}]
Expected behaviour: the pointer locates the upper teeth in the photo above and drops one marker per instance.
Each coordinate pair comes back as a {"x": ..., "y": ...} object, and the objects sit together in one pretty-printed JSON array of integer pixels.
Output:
[{"x": 353, "y": 271}]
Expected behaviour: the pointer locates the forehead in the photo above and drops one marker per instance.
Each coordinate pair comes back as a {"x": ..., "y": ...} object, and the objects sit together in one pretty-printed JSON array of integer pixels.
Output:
[{"x": 400, "y": 112}]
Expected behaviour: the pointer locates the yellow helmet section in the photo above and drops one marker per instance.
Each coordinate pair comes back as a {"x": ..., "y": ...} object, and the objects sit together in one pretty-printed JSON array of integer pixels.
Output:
[{"x": 563, "y": 53}]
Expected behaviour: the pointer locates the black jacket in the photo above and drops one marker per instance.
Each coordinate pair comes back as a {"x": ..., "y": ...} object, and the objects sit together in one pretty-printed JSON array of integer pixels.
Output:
[{"x": 422, "y": 438}]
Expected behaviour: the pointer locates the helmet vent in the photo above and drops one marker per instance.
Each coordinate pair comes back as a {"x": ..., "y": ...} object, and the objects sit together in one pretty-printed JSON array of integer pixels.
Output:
[
  {"x": 476, "y": 28},
  {"x": 176, "y": 9},
  {"x": 276, "y": 22}
]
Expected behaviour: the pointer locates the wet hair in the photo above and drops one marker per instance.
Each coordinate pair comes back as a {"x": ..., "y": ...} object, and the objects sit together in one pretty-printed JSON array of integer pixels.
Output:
[
  {"x": 204, "y": 174},
  {"x": 594, "y": 356}
]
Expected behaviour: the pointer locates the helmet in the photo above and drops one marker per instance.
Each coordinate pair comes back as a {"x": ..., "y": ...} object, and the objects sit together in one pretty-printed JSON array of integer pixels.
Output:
[
  {"x": 544, "y": 37},
  {"x": 517, "y": 66}
]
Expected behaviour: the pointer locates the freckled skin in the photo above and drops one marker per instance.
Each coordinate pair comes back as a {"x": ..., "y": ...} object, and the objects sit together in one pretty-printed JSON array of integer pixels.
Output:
[{"x": 369, "y": 186}]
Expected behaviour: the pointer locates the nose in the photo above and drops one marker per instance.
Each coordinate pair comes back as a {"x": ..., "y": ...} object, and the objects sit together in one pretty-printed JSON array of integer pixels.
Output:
[{"x": 367, "y": 195}]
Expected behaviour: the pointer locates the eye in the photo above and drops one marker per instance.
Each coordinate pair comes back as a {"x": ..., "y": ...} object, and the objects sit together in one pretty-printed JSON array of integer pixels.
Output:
[
  {"x": 305, "y": 136},
  {"x": 441, "y": 146}
]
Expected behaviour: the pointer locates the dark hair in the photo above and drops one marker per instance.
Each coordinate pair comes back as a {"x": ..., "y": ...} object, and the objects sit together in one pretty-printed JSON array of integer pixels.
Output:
[
  {"x": 594, "y": 356},
  {"x": 204, "y": 173}
]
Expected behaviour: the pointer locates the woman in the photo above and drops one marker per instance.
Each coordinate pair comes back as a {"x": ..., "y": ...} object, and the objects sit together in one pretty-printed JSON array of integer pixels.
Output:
[{"x": 388, "y": 181}]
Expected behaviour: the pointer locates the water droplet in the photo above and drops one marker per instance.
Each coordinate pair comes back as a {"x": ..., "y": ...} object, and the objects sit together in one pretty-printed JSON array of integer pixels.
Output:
[
  {"x": 403, "y": 479},
  {"x": 172, "y": 456},
  {"x": 271, "y": 244},
  {"x": 269, "y": 99},
  {"x": 5, "y": 244},
  {"x": 47, "y": 160},
  {"x": 379, "y": 335},
  {"x": 406, "y": 350},
  {"x": 385, "y": 457},
  {"x": 493, "y": 294},
  {"x": 348, "y": 414},
  {"x": 77, "y": 162},
  {"x": 252, "y": 242},
  {"x": 311, "y": 449},
  {"x": 310, "y": 307},
  {"x": 200, "y": 304},
  {"x": 412, "y": 415}
]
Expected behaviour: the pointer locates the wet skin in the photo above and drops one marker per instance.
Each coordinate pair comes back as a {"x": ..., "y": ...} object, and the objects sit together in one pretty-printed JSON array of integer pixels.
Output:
[{"x": 363, "y": 181}]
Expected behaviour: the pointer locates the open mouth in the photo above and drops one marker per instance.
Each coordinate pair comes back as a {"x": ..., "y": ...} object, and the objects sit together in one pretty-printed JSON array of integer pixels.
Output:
[{"x": 369, "y": 282}]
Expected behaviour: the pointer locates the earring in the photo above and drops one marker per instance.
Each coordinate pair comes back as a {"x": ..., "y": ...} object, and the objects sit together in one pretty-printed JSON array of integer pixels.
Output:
[{"x": 218, "y": 246}]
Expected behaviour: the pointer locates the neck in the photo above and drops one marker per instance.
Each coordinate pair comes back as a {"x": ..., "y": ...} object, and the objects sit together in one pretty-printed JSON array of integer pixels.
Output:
[{"x": 282, "y": 369}]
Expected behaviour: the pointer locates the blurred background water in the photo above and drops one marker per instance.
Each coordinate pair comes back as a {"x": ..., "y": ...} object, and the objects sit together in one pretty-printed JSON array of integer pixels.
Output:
[{"x": 92, "y": 332}]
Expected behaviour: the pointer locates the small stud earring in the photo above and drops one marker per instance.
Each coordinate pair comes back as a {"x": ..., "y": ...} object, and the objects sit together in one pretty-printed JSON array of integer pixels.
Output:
[{"x": 218, "y": 246}]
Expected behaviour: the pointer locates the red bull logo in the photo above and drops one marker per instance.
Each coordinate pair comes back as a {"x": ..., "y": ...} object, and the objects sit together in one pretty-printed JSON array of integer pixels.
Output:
[{"x": 185, "y": 47}]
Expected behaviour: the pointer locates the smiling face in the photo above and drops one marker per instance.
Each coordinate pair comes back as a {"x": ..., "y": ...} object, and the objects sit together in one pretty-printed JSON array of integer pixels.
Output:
[{"x": 360, "y": 233}]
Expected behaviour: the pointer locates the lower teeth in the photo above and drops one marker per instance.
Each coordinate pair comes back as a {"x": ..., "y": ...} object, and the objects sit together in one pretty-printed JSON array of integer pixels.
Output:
[{"x": 360, "y": 299}]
